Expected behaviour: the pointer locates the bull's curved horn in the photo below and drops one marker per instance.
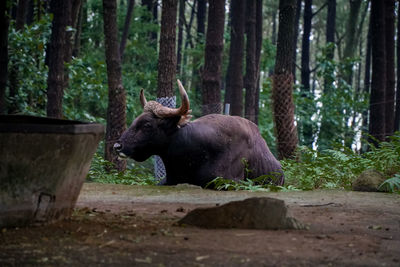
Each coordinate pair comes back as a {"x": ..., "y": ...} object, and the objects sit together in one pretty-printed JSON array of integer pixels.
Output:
[
  {"x": 164, "y": 112},
  {"x": 142, "y": 98},
  {"x": 185, "y": 106}
]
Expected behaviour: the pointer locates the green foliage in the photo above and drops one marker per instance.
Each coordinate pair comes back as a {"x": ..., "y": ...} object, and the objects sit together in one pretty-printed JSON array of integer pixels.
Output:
[
  {"x": 391, "y": 185},
  {"x": 135, "y": 175},
  {"x": 266, "y": 121},
  {"x": 340, "y": 105},
  {"x": 87, "y": 94},
  {"x": 27, "y": 59},
  {"x": 339, "y": 167},
  {"x": 331, "y": 168}
]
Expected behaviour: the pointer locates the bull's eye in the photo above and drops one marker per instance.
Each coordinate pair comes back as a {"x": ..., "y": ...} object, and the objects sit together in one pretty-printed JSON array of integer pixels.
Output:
[{"x": 147, "y": 125}]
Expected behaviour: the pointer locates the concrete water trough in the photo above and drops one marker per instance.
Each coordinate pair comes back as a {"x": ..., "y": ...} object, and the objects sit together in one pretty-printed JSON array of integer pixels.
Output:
[{"x": 43, "y": 164}]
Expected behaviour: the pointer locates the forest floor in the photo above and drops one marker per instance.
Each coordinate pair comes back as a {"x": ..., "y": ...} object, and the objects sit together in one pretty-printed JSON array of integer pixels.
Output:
[{"x": 116, "y": 225}]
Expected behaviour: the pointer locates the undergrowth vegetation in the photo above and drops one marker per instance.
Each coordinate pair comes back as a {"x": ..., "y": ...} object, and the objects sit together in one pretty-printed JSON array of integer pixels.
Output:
[{"x": 331, "y": 168}]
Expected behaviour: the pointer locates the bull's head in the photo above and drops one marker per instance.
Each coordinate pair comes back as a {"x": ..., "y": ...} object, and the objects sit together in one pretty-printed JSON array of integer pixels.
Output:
[{"x": 150, "y": 133}]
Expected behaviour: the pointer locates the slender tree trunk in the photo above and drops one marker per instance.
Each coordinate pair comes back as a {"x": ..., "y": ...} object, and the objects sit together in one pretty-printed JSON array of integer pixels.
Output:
[
  {"x": 4, "y": 23},
  {"x": 234, "y": 81},
  {"x": 201, "y": 29},
  {"x": 259, "y": 33},
  {"x": 305, "y": 51},
  {"x": 351, "y": 36},
  {"x": 378, "y": 85},
  {"x": 390, "y": 67},
  {"x": 181, "y": 22},
  {"x": 127, "y": 25},
  {"x": 167, "y": 55},
  {"x": 296, "y": 36},
  {"x": 331, "y": 26},
  {"x": 306, "y": 124},
  {"x": 327, "y": 133},
  {"x": 367, "y": 87},
  {"x": 56, "y": 56},
  {"x": 70, "y": 36},
  {"x": 283, "y": 81},
  {"x": 116, "y": 111},
  {"x": 351, "y": 28},
  {"x": 397, "y": 112},
  {"x": 251, "y": 75},
  {"x": 213, "y": 58},
  {"x": 77, "y": 40}
]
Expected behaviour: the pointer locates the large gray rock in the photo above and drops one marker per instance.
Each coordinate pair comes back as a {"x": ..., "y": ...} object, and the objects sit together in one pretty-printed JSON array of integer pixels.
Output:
[
  {"x": 368, "y": 181},
  {"x": 251, "y": 213}
]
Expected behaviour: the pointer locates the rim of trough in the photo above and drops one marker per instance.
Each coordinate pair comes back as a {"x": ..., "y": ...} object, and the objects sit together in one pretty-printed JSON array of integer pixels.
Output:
[{"x": 35, "y": 124}]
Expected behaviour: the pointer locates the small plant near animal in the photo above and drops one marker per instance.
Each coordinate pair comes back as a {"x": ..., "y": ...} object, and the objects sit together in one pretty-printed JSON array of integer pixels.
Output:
[{"x": 134, "y": 175}]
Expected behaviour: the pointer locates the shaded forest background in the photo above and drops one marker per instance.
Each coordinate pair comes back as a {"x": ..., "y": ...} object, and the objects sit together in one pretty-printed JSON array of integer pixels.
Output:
[{"x": 322, "y": 75}]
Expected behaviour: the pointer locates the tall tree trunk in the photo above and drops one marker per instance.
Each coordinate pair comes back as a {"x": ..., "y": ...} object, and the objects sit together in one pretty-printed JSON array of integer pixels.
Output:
[
  {"x": 296, "y": 36},
  {"x": 378, "y": 85},
  {"x": 56, "y": 55},
  {"x": 213, "y": 58},
  {"x": 116, "y": 111},
  {"x": 351, "y": 28},
  {"x": 181, "y": 22},
  {"x": 327, "y": 133},
  {"x": 351, "y": 36},
  {"x": 397, "y": 112},
  {"x": 283, "y": 81},
  {"x": 367, "y": 87},
  {"x": 306, "y": 125},
  {"x": 305, "y": 51},
  {"x": 390, "y": 72},
  {"x": 4, "y": 23},
  {"x": 331, "y": 27},
  {"x": 167, "y": 55},
  {"x": 201, "y": 29},
  {"x": 251, "y": 75},
  {"x": 259, "y": 33},
  {"x": 127, "y": 25},
  {"x": 22, "y": 11},
  {"x": 234, "y": 81},
  {"x": 77, "y": 40}
]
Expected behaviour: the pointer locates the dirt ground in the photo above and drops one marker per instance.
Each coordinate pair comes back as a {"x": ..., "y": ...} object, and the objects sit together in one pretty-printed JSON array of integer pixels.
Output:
[{"x": 116, "y": 225}]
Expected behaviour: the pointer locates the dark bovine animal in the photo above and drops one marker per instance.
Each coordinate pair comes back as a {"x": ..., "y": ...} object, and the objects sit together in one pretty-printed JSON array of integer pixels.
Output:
[{"x": 196, "y": 152}]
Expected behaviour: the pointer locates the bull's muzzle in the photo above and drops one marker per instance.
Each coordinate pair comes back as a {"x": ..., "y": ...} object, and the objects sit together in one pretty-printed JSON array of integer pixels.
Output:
[{"x": 117, "y": 149}]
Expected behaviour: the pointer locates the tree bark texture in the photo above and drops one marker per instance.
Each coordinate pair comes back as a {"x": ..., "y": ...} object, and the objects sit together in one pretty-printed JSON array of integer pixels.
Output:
[
  {"x": 296, "y": 36},
  {"x": 305, "y": 51},
  {"x": 378, "y": 84},
  {"x": 56, "y": 55},
  {"x": 282, "y": 86},
  {"x": 127, "y": 24},
  {"x": 390, "y": 67},
  {"x": 306, "y": 125},
  {"x": 4, "y": 23},
  {"x": 211, "y": 77},
  {"x": 397, "y": 112},
  {"x": 351, "y": 28},
  {"x": 331, "y": 26},
  {"x": 167, "y": 54},
  {"x": 116, "y": 111},
  {"x": 259, "y": 37},
  {"x": 234, "y": 81},
  {"x": 251, "y": 66},
  {"x": 77, "y": 40}
]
